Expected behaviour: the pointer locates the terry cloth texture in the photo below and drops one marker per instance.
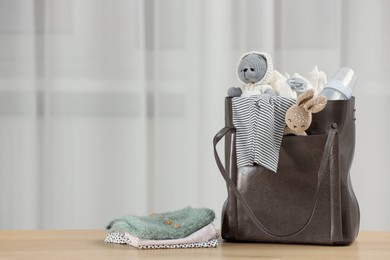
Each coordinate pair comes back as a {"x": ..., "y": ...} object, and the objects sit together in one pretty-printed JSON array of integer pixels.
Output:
[
  {"x": 203, "y": 235},
  {"x": 259, "y": 121},
  {"x": 169, "y": 225}
]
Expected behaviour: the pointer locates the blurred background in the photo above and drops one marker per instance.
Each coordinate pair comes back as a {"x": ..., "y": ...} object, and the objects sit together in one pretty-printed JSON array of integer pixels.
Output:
[{"x": 110, "y": 107}]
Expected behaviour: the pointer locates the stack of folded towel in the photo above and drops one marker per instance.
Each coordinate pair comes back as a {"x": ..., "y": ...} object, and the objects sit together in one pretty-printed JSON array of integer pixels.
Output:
[{"x": 185, "y": 228}]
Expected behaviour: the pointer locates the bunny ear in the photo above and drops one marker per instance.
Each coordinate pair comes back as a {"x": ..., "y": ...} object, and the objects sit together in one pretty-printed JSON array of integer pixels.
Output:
[
  {"x": 305, "y": 96},
  {"x": 316, "y": 105}
]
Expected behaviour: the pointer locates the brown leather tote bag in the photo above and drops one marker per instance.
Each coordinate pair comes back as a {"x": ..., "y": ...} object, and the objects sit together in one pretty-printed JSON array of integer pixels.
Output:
[{"x": 310, "y": 199}]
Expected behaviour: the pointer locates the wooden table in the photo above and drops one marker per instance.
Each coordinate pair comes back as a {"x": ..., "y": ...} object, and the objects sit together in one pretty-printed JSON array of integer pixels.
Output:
[{"x": 88, "y": 244}]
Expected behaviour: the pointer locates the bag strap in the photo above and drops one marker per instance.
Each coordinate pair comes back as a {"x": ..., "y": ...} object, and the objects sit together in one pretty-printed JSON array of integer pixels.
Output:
[{"x": 321, "y": 173}]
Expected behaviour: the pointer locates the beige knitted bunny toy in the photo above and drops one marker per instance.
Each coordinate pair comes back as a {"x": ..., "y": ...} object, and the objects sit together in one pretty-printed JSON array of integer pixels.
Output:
[{"x": 299, "y": 116}]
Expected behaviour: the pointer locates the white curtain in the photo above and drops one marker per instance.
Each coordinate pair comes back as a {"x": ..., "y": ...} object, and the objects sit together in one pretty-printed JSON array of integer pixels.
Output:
[{"x": 109, "y": 107}]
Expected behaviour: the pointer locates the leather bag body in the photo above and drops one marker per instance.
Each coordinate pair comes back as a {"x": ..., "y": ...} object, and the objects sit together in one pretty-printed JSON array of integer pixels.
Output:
[{"x": 309, "y": 199}]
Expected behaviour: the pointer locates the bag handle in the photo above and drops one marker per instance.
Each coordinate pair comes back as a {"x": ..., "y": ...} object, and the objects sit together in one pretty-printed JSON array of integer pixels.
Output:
[{"x": 321, "y": 173}]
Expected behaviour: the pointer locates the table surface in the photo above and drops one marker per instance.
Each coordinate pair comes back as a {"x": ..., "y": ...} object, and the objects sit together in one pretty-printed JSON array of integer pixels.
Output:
[{"x": 88, "y": 244}]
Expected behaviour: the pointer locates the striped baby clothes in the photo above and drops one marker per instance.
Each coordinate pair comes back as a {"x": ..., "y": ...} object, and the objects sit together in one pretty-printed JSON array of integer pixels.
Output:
[{"x": 259, "y": 122}]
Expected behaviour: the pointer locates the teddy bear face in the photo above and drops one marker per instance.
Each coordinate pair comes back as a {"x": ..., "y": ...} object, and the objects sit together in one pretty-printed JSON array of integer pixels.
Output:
[{"x": 252, "y": 68}]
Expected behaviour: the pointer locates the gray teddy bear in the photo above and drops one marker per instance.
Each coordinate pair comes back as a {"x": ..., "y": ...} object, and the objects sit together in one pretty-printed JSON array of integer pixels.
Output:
[{"x": 255, "y": 69}]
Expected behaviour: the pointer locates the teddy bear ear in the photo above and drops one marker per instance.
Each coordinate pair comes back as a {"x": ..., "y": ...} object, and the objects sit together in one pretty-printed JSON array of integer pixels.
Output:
[
  {"x": 316, "y": 105},
  {"x": 249, "y": 54},
  {"x": 245, "y": 55},
  {"x": 260, "y": 56},
  {"x": 305, "y": 97}
]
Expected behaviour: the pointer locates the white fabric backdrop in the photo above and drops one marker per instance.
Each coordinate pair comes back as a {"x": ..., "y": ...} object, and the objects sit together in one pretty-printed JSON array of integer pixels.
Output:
[{"x": 109, "y": 107}]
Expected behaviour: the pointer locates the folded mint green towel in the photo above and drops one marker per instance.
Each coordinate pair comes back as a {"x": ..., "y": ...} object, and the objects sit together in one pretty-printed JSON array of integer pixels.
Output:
[{"x": 169, "y": 225}]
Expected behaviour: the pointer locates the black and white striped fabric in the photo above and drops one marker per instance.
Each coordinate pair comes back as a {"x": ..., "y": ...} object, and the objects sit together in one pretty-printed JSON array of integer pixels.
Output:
[{"x": 259, "y": 122}]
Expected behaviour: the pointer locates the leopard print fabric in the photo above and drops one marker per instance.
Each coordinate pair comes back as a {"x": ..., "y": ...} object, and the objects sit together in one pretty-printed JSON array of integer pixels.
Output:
[{"x": 121, "y": 238}]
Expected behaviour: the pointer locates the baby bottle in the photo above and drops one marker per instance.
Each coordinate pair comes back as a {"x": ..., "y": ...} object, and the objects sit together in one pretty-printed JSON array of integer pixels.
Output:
[{"x": 341, "y": 85}]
